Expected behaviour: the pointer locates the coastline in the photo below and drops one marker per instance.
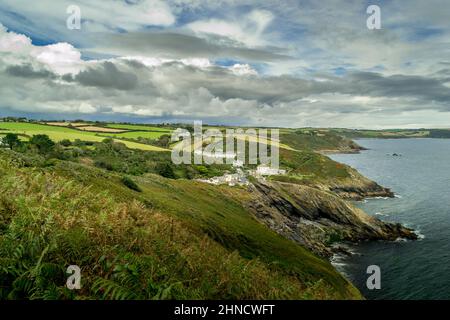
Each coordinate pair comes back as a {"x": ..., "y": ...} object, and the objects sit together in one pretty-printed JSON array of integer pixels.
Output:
[{"x": 340, "y": 258}]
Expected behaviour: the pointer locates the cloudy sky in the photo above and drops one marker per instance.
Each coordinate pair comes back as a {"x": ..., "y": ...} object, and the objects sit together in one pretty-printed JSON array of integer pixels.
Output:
[{"x": 244, "y": 62}]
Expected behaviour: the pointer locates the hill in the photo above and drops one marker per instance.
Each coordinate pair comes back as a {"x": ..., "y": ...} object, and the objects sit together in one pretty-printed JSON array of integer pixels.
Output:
[{"x": 175, "y": 239}]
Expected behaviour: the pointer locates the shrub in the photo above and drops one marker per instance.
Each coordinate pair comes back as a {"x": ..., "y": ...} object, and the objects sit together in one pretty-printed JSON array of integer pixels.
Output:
[
  {"x": 104, "y": 165},
  {"x": 130, "y": 184},
  {"x": 165, "y": 170},
  {"x": 65, "y": 143},
  {"x": 202, "y": 169}
]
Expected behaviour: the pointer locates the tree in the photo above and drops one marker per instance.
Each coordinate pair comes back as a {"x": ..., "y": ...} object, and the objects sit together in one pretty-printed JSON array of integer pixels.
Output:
[
  {"x": 42, "y": 142},
  {"x": 12, "y": 140}
]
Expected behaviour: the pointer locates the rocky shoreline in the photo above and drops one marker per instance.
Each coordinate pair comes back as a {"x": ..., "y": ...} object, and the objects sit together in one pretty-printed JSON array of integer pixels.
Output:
[{"x": 319, "y": 219}]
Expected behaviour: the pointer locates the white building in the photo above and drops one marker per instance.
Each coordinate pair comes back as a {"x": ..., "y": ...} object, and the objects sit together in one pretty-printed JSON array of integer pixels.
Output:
[
  {"x": 215, "y": 155},
  {"x": 231, "y": 179},
  {"x": 268, "y": 171}
]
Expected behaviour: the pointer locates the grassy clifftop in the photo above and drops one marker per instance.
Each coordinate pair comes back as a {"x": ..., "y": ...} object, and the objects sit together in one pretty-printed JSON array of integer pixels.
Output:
[
  {"x": 317, "y": 140},
  {"x": 174, "y": 239}
]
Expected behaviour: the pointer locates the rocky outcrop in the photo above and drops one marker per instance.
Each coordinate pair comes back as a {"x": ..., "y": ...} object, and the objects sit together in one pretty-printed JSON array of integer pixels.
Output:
[
  {"x": 355, "y": 187},
  {"x": 359, "y": 191},
  {"x": 317, "y": 219},
  {"x": 349, "y": 146}
]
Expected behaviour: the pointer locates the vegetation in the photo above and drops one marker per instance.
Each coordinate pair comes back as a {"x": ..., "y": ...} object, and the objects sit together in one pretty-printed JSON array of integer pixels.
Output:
[
  {"x": 310, "y": 139},
  {"x": 128, "y": 182},
  {"x": 12, "y": 140},
  {"x": 385, "y": 134},
  {"x": 174, "y": 240},
  {"x": 312, "y": 165},
  {"x": 42, "y": 143}
]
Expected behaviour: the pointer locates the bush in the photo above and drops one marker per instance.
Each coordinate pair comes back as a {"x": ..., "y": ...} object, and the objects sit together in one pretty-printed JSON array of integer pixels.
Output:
[
  {"x": 202, "y": 169},
  {"x": 104, "y": 164},
  {"x": 130, "y": 184},
  {"x": 65, "y": 143},
  {"x": 165, "y": 170}
]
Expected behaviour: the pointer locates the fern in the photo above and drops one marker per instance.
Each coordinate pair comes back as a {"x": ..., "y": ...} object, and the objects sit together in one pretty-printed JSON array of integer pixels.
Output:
[{"x": 109, "y": 289}]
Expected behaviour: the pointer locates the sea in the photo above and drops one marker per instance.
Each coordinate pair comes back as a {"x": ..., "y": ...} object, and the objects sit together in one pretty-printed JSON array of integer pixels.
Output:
[{"x": 418, "y": 172}]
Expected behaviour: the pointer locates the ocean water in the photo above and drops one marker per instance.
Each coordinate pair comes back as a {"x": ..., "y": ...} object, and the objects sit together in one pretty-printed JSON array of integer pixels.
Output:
[{"x": 420, "y": 178}]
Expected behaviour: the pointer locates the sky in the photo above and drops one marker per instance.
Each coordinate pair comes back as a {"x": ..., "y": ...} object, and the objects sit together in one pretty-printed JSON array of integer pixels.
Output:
[{"x": 236, "y": 62}]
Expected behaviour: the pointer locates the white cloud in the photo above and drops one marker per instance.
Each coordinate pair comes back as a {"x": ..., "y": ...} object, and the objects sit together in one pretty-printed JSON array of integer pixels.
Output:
[
  {"x": 13, "y": 42},
  {"x": 86, "y": 108},
  {"x": 61, "y": 58},
  {"x": 248, "y": 29},
  {"x": 243, "y": 69}
]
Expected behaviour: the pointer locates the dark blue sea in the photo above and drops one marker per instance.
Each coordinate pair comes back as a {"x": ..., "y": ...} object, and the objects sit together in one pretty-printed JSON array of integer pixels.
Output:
[{"x": 420, "y": 178}]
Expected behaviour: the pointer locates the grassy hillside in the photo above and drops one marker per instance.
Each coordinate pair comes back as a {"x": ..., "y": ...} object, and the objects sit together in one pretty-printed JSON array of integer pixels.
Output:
[
  {"x": 318, "y": 140},
  {"x": 312, "y": 166},
  {"x": 174, "y": 239},
  {"x": 385, "y": 134}
]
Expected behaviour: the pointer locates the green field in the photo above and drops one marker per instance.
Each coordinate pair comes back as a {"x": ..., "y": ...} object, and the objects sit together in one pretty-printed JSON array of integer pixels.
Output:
[
  {"x": 60, "y": 133},
  {"x": 136, "y": 134},
  {"x": 137, "y": 127}
]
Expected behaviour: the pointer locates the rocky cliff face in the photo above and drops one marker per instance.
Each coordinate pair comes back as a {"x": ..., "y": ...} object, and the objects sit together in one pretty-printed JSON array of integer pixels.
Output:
[
  {"x": 356, "y": 187},
  {"x": 316, "y": 218}
]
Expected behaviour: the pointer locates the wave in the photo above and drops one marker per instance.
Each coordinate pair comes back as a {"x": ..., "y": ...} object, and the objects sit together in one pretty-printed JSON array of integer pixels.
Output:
[
  {"x": 420, "y": 235},
  {"x": 381, "y": 214}
]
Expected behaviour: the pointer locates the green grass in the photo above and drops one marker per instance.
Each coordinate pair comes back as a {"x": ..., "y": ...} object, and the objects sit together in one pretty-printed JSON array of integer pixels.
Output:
[{"x": 59, "y": 133}]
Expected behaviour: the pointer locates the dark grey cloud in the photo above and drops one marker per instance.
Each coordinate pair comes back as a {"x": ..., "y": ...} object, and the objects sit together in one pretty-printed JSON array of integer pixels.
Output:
[
  {"x": 27, "y": 71},
  {"x": 223, "y": 83},
  {"x": 375, "y": 84},
  {"x": 176, "y": 45},
  {"x": 105, "y": 75}
]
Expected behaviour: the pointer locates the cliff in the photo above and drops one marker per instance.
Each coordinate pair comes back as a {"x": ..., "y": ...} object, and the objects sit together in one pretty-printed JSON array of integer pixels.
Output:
[
  {"x": 317, "y": 219},
  {"x": 354, "y": 187}
]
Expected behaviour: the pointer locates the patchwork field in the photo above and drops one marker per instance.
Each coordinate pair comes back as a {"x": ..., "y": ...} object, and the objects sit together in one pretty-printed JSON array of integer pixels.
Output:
[
  {"x": 66, "y": 124},
  {"x": 58, "y": 133},
  {"x": 136, "y": 134},
  {"x": 100, "y": 129},
  {"x": 137, "y": 127},
  {"x": 119, "y": 131}
]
